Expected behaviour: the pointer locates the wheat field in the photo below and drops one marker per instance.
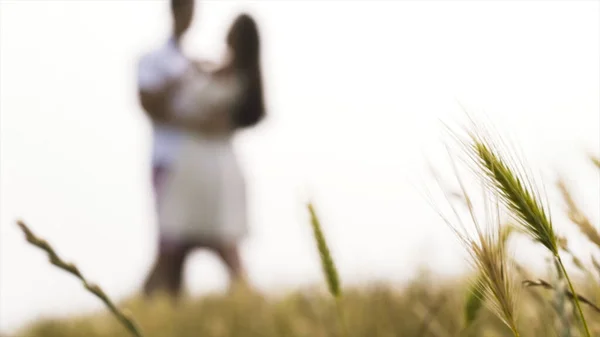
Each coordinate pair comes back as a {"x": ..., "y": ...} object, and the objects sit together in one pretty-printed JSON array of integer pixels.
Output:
[
  {"x": 426, "y": 307},
  {"x": 499, "y": 298}
]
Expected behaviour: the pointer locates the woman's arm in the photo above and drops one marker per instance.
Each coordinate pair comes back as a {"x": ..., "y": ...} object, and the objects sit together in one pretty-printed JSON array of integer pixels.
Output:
[
  {"x": 206, "y": 66},
  {"x": 205, "y": 104}
]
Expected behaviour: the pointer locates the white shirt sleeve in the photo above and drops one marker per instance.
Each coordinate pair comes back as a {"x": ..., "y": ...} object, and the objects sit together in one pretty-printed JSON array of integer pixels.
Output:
[
  {"x": 175, "y": 65},
  {"x": 150, "y": 77},
  {"x": 161, "y": 66}
]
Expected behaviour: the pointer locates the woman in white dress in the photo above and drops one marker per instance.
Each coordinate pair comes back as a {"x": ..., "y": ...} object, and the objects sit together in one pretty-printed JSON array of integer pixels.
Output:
[{"x": 204, "y": 196}]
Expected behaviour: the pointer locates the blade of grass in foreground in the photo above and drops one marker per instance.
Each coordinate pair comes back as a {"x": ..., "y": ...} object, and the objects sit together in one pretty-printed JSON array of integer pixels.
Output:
[
  {"x": 473, "y": 303},
  {"x": 123, "y": 317},
  {"x": 329, "y": 269},
  {"x": 595, "y": 160}
]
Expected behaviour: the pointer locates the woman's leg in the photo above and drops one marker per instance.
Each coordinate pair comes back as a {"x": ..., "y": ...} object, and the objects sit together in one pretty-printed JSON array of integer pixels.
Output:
[{"x": 229, "y": 253}]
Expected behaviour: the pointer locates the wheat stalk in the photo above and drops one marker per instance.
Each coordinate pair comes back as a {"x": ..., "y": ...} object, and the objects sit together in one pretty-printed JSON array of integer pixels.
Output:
[
  {"x": 487, "y": 250},
  {"x": 328, "y": 265},
  {"x": 562, "y": 307},
  {"x": 329, "y": 269},
  {"x": 563, "y": 243},
  {"x": 569, "y": 294},
  {"x": 518, "y": 194},
  {"x": 122, "y": 316},
  {"x": 595, "y": 160}
]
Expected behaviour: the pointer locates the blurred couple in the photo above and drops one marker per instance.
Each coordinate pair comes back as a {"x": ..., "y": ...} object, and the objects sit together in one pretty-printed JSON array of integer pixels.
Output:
[{"x": 195, "y": 111}]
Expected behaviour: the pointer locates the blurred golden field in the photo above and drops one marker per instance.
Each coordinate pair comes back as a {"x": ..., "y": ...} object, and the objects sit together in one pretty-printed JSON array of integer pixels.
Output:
[
  {"x": 500, "y": 298},
  {"x": 427, "y": 307}
]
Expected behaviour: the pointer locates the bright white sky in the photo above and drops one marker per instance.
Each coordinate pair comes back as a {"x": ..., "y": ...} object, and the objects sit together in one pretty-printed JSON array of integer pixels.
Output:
[{"x": 356, "y": 91}]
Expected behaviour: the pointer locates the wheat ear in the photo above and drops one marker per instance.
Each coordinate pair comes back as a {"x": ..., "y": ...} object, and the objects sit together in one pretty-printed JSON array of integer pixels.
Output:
[
  {"x": 487, "y": 249},
  {"x": 329, "y": 269},
  {"x": 577, "y": 216},
  {"x": 328, "y": 265},
  {"x": 520, "y": 197}
]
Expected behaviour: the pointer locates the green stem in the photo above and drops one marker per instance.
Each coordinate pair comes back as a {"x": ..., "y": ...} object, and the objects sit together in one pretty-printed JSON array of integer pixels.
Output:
[
  {"x": 341, "y": 317},
  {"x": 575, "y": 299}
]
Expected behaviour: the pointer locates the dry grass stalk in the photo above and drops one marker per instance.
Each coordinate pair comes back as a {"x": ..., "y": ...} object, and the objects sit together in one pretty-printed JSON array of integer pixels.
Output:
[
  {"x": 122, "y": 316},
  {"x": 596, "y": 265},
  {"x": 474, "y": 301},
  {"x": 430, "y": 325},
  {"x": 475, "y": 296},
  {"x": 495, "y": 284},
  {"x": 577, "y": 216},
  {"x": 569, "y": 294},
  {"x": 431, "y": 313},
  {"x": 487, "y": 250}
]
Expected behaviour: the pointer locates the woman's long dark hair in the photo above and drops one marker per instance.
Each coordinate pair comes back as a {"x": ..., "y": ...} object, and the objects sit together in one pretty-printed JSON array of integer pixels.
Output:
[{"x": 244, "y": 41}]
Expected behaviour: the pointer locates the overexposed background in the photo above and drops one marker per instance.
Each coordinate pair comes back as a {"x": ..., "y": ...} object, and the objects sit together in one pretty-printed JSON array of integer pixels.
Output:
[{"x": 355, "y": 90}]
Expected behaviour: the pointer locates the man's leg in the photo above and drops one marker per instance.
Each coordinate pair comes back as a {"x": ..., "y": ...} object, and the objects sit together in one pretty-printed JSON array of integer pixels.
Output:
[
  {"x": 158, "y": 277},
  {"x": 175, "y": 268},
  {"x": 167, "y": 273}
]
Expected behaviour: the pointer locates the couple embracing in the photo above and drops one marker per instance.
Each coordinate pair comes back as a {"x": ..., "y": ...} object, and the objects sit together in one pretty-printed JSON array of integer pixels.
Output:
[{"x": 198, "y": 185}]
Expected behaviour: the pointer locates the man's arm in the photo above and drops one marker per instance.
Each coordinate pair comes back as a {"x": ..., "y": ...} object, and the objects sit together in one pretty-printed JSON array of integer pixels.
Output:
[
  {"x": 153, "y": 90},
  {"x": 154, "y": 103}
]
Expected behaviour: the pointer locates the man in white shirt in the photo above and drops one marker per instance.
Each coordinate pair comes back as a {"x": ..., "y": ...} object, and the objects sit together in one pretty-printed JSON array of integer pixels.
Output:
[{"x": 159, "y": 73}]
